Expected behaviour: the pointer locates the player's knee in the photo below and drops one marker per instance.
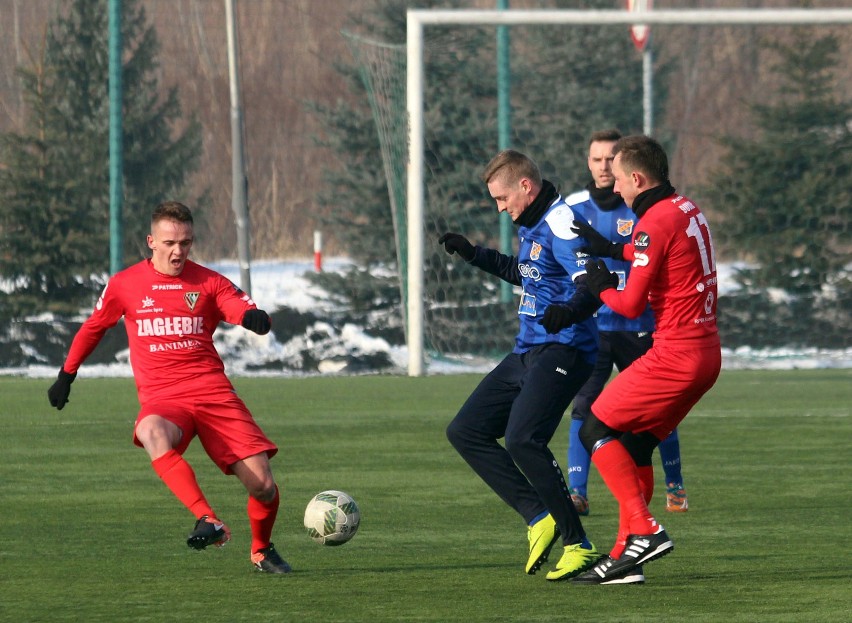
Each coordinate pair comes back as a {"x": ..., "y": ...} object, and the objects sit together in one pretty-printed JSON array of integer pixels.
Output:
[
  {"x": 592, "y": 431},
  {"x": 522, "y": 446},
  {"x": 454, "y": 434},
  {"x": 461, "y": 434},
  {"x": 266, "y": 491},
  {"x": 157, "y": 434},
  {"x": 261, "y": 485},
  {"x": 582, "y": 408}
]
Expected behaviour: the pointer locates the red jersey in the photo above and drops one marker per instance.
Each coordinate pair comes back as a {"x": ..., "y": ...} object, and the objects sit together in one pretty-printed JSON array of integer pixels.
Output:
[
  {"x": 674, "y": 268},
  {"x": 170, "y": 323}
]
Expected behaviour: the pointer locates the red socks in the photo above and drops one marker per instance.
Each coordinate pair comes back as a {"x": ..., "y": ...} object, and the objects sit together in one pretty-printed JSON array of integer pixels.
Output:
[
  {"x": 627, "y": 483},
  {"x": 180, "y": 479},
  {"x": 262, "y": 517},
  {"x": 646, "y": 479}
]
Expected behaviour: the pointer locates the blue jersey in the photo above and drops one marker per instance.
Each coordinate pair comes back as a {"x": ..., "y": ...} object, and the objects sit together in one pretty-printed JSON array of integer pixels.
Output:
[
  {"x": 616, "y": 225},
  {"x": 548, "y": 260}
]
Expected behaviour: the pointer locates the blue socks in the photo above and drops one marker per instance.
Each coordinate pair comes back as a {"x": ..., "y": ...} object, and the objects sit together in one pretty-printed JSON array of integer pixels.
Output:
[
  {"x": 670, "y": 455},
  {"x": 538, "y": 518},
  {"x": 578, "y": 460}
]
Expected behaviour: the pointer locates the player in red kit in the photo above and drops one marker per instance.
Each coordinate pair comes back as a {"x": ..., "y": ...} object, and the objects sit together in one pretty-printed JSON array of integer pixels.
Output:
[
  {"x": 673, "y": 269},
  {"x": 171, "y": 307}
]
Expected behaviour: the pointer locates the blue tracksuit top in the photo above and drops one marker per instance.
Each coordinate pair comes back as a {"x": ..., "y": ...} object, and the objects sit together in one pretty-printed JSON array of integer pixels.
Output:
[
  {"x": 616, "y": 225},
  {"x": 548, "y": 260}
]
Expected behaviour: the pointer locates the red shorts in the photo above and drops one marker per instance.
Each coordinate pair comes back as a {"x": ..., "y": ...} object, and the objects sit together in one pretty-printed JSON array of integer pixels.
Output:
[
  {"x": 655, "y": 392},
  {"x": 221, "y": 422}
]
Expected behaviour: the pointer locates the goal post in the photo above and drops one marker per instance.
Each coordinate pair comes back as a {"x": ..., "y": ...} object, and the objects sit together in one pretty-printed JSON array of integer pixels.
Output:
[{"x": 419, "y": 19}]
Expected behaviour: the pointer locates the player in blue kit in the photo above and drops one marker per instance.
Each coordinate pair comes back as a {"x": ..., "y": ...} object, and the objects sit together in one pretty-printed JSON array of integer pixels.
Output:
[
  {"x": 622, "y": 340},
  {"x": 522, "y": 400}
]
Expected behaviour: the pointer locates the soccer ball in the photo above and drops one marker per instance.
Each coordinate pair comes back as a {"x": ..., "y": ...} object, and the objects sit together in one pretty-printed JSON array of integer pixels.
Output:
[{"x": 332, "y": 517}]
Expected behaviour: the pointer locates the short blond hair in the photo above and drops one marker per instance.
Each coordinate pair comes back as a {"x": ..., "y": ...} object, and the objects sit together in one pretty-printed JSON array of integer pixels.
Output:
[{"x": 512, "y": 166}]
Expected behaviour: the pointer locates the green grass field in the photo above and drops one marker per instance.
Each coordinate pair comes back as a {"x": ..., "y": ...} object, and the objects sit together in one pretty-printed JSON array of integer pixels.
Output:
[{"x": 90, "y": 534}]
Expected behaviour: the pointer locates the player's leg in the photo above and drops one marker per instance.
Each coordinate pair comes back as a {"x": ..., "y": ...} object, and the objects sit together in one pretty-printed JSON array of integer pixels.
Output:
[
  {"x": 474, "y": 432},
  {"x": 255, "y": 474},
  {"x": 640, "y": 447},
  {"x": 235, "y": 442},
  {"x": 578, "y": 457},
  {"x": 165, "y": 441},
  {"x": 554, "y": 373},
  {"x": 676, "y": 500},
  {"x": 651, "y": 396},
  {"x": 626, "y": 348},
  {"x": 553, "y": 376},
  {"x": 640, "y": 539}
]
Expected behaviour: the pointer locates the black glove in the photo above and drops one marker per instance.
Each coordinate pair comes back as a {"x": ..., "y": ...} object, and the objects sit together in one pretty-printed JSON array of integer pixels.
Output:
[
  {"x": 557, "y": 317},
  {"x": 258, "y": 321},
  {"x": 456, "y": 243},
  {"x": 597, "y": 244},
  {"x": 61, "y": 389},
  {"x": 598, "y": 278}
]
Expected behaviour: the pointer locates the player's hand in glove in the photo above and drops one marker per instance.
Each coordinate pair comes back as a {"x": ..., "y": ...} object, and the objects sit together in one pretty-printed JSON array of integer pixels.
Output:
[
  {"x": 557, "y": 317},
  {"x": 456, "y": 243},
  {"x": 61, "y": 389},
  {"x": 598, "y": 278},
  {"x": 597, "y": 245},
  {"x": 258, "y": 321}
]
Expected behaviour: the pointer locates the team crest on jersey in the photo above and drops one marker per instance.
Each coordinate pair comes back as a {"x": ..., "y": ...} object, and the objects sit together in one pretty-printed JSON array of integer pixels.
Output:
[
  {"x": 642, "y": 241},
  {"x": 191, "y": 299},
  {"x": 624, "y": 227},
  {"x": 535, "y": 251}
]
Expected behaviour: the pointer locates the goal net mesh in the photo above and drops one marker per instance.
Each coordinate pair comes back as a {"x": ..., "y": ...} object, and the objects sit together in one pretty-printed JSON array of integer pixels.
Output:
[{"x": 558, "y": 97}]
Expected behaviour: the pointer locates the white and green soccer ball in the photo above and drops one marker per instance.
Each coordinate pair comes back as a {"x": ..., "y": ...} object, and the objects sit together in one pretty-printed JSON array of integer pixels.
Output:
[{"x": 332, "y": 517}]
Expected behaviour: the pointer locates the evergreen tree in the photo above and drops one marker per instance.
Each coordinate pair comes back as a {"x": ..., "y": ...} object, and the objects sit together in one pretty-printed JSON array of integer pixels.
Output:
[
  {"x": 55, "y": 182},
  {"x": 785, "y": 200},
  {"x": 576, "y": 80},
  {"x": 785, "y": 195}
]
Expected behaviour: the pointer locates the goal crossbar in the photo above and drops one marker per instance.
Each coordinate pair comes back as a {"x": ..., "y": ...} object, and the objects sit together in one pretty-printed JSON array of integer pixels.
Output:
[{"x": 417, "y": 19}]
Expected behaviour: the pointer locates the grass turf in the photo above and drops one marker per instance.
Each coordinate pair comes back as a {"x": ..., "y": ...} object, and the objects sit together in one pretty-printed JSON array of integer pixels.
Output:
[{"x": 90, "y": 533}]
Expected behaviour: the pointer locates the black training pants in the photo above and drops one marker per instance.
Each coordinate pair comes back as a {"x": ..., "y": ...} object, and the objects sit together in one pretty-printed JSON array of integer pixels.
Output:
[{"x": 522, "y": 400}]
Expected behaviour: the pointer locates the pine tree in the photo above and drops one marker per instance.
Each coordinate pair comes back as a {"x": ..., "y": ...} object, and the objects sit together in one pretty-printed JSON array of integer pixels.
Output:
[
  {"x": 785, "y": 198},
  {"x": 55, "y": 182},
  {"x": 785, "y": 194}
]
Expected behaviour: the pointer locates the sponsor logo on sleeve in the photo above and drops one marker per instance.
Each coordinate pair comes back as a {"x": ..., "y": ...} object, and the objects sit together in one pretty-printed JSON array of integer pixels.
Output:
[{"x": 641, "y": 242}]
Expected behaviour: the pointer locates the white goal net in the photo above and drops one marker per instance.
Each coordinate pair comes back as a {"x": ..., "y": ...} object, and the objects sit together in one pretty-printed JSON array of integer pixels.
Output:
[{"x": 435, "y": 101}]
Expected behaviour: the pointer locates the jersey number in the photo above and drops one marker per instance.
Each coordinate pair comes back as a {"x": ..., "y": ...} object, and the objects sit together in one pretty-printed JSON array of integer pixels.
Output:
[{"x": 695, "y": 230}]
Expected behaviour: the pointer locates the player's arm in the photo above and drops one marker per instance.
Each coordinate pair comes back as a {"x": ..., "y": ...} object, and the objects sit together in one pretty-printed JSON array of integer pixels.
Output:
[
  {"x": 571, "y": 255},
  {"x": 489, "y": 260},
  {"x": 633, "y": 299},
  {"x": 582, "y": 304},
  {"x": 86, "y": 339},
  {"x": 237, "y": 307},
  {"x": 597, "y": 244}
]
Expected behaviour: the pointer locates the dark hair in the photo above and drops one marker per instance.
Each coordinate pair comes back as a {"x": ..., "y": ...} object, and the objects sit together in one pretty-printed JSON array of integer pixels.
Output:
[
  {"x": 513, "y": 166},
  {"x": 173, "y": 211},
  {"x": 643, "y": 154},
  {"x": 604, "y": 136}
]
